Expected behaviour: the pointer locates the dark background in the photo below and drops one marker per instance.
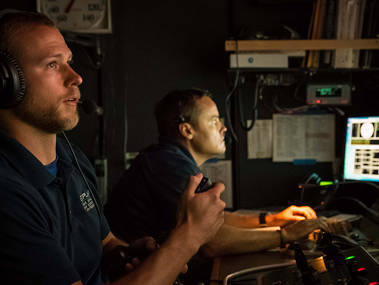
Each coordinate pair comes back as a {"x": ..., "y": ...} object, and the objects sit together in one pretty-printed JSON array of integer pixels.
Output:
[{"x": 157, "y": 46}]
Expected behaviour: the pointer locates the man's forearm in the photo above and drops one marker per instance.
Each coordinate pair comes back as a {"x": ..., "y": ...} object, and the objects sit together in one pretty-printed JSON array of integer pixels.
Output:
[
  {"x": 242, "y": 220},
  {"x": 232, "y": 240},
  {"x": 165, "y": 264},
  {"x": 250, "y": 220}
]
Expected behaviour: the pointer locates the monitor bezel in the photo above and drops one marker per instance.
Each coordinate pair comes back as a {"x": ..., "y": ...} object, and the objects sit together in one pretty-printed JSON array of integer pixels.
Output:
[{"x": 347, "y": 176}]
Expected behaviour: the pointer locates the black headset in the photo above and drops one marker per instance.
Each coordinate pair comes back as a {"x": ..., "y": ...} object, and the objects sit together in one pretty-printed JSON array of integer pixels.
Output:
[
  {"x": 13, "y": 90},
  {"x": 12, "y": 81}
]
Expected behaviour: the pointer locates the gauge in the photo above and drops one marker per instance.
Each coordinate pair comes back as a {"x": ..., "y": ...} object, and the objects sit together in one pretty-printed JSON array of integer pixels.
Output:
[
  {"x": 367, "y": 130},
  {"x": 82, "y": 16}
]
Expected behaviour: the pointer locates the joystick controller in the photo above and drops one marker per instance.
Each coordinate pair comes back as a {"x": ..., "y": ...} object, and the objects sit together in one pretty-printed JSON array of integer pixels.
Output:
[
  {"x": 204, "y": 185},
  {"x": 114, "y": 262}
]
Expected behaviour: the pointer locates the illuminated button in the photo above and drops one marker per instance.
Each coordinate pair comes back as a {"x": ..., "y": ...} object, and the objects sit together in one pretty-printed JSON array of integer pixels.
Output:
[
  {"x": 362, "y": 271},
  {"x": 373, "y": 283}
]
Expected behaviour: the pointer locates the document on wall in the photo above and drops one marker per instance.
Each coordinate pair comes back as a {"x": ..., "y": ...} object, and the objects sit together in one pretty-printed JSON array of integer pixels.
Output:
[
  {"x": 298, "y": 137},
  {"x": 259, "y": 140},
  {"x": 221, "y": 171}
]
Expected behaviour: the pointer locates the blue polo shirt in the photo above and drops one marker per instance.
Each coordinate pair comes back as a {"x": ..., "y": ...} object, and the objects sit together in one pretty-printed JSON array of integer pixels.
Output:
[
  {"x": 50, "y": 231},
  {"x": 144, "y": 201}
]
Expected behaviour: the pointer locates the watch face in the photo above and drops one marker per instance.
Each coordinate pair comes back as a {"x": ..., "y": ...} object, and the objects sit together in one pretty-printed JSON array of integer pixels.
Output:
[{"x": 77, "y": 15}]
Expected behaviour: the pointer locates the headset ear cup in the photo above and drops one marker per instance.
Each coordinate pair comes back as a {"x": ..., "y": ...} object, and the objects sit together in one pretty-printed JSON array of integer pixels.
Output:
[{"x": 12, "y": 81}]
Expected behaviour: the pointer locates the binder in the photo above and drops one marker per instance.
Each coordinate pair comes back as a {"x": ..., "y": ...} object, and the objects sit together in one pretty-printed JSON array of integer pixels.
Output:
[{"x": 349, "y": 26}]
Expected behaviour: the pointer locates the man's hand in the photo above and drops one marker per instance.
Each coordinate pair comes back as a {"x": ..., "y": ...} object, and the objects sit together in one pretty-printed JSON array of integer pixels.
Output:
[
  {"x": 302, "y": 228},
  {"x": 291, "y": 215},
  {"x": 140, "y": 249},
  {"x": 203, "y": 212},
  {"x": 143, "y": 247}
]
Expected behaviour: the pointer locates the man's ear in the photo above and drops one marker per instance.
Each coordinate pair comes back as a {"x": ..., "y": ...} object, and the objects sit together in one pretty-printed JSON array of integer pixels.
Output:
[{"x": 186, "y": 130}]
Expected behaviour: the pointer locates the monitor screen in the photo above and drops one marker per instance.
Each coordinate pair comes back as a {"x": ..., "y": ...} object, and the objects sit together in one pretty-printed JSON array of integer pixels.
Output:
[{"x": 362, "y": 149}]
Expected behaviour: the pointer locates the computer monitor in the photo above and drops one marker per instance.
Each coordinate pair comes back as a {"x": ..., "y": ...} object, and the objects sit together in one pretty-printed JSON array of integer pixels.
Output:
[{"x": 362, "y": 149}]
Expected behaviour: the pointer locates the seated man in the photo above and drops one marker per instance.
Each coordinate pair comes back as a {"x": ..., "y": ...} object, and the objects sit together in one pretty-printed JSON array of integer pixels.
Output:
[
  {"x": 145, "y": 200},
  {"x": 53, "y": 230}
]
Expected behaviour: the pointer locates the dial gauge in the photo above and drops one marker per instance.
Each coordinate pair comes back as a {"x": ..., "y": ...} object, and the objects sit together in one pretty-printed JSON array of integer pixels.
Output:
[
  {"x": 367, "y": 130},
  {"x": 82, "y": 16}
]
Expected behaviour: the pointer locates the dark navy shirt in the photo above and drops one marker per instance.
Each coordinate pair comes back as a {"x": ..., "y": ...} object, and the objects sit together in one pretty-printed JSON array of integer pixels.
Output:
[
  {"x": 144, "y": 201},
  {"x": 50, "y": 231}
]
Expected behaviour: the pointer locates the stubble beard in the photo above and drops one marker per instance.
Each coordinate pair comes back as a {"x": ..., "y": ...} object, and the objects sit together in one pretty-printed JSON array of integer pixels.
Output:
[{"x": 47, "y": 120}]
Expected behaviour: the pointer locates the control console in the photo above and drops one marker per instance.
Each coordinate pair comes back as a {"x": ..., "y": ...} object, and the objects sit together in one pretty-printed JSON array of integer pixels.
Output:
[{"x": 352, "y": 265}]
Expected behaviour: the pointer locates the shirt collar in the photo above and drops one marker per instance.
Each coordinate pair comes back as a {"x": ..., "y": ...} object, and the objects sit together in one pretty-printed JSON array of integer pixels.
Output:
[
  {"x": 183, "y": 149},
  {"x": 26, "y": 163}
]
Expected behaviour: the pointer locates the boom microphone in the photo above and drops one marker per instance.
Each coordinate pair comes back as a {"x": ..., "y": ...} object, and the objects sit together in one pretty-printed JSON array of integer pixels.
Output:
[{"x": 89, "y": 107}]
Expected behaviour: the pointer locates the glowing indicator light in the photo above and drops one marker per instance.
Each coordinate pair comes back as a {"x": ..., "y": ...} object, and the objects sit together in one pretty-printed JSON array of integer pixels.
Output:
[
  {"x": 373, "y": 283},
  {"x": 350, "y": 257},
  {"x": 325, "y": 183},
  {"x": 361, "y": 269},
  {"x": 318, "y": 101}
]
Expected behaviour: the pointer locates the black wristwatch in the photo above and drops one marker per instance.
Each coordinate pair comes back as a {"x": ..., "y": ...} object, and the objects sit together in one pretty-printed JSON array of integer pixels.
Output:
[{"x": 262, "y": 218}]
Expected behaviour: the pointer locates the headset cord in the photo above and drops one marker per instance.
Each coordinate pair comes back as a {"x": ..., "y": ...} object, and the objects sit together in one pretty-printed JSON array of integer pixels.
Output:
[{"x": 82, "y": 174}]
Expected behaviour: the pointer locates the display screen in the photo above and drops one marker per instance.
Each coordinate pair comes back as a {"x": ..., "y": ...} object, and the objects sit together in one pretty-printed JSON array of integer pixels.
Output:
[
  {"x": 328, "y": 92},
  {"x": 362, "y": 149}
]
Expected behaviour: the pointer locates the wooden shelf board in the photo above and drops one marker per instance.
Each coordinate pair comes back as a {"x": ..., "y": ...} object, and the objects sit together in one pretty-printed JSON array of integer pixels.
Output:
[
  {"x": 283, "y": 45},
  {"x": 303, "y": 69}
]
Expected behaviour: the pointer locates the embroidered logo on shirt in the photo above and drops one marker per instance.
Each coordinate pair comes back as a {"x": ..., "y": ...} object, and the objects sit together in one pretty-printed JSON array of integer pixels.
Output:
[{"x": 87, "y": 201}]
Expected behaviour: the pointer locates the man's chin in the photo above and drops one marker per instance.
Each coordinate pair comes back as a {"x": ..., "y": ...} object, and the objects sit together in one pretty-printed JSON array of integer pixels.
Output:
[
  {"x": 219, "y": 153},
  {"x": 68, "y": 124}
]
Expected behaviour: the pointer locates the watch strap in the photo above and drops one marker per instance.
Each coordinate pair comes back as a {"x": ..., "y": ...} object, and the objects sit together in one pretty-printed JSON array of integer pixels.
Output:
[{"x": 262, "y": 218}]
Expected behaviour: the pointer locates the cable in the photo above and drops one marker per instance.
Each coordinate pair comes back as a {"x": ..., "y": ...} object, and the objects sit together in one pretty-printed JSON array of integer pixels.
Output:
[
  {"x": 257, "y": 90},
  {"x": 344, "y": 240},
  {"x": 372, "y": 214},
  {"x": 82, "y": 174},
  {"x": 314, "y": 176},
  {"x": 298, "y": 85},
  {"x": 240, "y": 110},
  {"x": 228, "y": 97},
  {"x": 282, "y": 110},
  {"x": 292, "y": 110},
  {"x": 336, "y": 110}
]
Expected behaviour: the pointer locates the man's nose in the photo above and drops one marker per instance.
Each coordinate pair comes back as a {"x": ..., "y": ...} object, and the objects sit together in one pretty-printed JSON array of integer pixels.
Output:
[
  {"x": 223, "y": 128},
  {"x": 73, "y": 78}
]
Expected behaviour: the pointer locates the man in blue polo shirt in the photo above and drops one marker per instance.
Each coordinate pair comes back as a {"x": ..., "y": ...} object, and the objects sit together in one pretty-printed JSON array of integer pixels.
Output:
[
  {"x": 144, "y": 201},
  {"x": 53, "y": 230}
]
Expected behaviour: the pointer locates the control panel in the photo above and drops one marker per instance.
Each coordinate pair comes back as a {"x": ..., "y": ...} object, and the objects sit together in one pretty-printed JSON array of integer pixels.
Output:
[
  {"x": 328, "y": 94},
  {"x": 351, "y": 266}
]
